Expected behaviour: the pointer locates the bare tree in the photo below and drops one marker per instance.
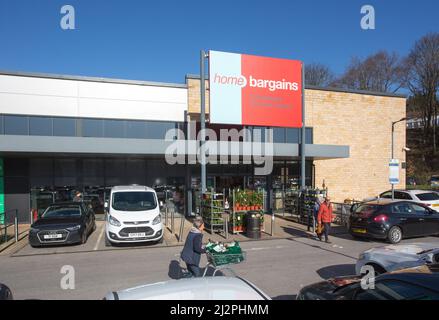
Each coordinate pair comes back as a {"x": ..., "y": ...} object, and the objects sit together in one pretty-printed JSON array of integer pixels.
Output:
[
  {"x": 382, "y": 72},
  {"x": 319, "y": 75},
  {"x": 422, "y": 66}
]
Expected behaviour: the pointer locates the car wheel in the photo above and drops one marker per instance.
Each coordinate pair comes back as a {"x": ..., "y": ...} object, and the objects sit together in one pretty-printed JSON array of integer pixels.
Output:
[
  {"x": 395, "y": 235},
  {"x": 107, "y": 242},
  {"x": 84, "y": 237}
]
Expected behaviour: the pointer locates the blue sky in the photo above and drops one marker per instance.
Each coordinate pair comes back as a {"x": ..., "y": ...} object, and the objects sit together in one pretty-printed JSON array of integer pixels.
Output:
[{"x": 161, "y": 40}]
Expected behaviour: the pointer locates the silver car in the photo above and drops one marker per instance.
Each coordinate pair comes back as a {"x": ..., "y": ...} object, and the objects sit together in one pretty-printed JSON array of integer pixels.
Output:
[
  {"x": 205, "y": 288},
  {"x": 396, "y": 257},
  {"x": 428, "y": 198}
]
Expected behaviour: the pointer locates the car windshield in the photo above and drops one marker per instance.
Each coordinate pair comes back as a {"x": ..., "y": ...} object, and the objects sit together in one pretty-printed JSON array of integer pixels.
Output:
[
  {"x": 134, "y": 201},
  {"x": 428, "y": 196},
  {"x": 62, "y": 211}
]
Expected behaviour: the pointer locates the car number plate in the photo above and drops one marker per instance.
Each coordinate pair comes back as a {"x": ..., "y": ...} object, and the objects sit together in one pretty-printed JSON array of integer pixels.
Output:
[
  {"x": 137, "y": 235},
  {"x": 359, "y": 230},
  {"x": 52, "y": 236}
]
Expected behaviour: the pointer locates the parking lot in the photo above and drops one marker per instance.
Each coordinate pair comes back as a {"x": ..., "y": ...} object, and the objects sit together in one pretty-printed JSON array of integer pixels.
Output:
[
  {"x": 280, "y": 267},
  {"x": 95, "y": 242}
]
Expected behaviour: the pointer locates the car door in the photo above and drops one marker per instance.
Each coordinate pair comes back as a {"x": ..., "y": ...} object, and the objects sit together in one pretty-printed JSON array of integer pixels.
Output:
[
  {"x": 432, "y": 221},
  {"x": 426, "y": 224},
  {"x": 405, "y": 217}
]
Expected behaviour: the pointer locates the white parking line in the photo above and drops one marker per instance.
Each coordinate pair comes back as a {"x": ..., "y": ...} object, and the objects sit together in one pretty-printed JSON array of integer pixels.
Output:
[{"x": 99, "y": 238}]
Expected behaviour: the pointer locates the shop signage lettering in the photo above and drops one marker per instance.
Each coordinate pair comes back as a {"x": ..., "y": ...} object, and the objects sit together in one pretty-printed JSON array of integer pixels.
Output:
[
  {"x": 253, "y": 90},
  {"x": 241, "y": 81}
]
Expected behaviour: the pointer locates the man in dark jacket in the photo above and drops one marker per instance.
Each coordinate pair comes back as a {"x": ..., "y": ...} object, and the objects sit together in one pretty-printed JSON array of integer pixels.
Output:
[{"x": 193, "y": 248}]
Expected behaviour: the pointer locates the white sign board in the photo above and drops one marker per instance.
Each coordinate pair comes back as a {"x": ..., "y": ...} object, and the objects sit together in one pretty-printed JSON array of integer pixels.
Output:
[{"x": 394, "y": 171}]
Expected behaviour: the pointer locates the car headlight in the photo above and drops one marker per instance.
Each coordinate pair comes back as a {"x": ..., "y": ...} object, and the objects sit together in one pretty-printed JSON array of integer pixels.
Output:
[
  {"x": 157, "y": 220},
  {"x": 75, "y": 228},
  {"x": 114, "y": 221},
  {"x": 33, "y": 229}
]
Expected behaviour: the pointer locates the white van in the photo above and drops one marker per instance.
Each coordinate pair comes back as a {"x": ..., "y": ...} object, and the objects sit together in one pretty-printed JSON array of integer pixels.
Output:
[{"x": 133, "y": 215}]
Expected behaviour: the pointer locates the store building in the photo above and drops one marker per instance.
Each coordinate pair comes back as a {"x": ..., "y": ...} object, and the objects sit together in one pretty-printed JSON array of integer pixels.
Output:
[{"x": 65, "y": 133}]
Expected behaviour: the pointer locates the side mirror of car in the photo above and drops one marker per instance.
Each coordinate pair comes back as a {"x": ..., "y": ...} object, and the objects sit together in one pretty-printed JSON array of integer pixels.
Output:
[{"x": 106, "y": 204}]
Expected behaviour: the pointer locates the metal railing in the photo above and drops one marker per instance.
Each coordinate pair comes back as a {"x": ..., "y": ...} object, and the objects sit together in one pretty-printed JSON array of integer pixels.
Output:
[
  {"x": 7, "y": 224},
  {"x": 169, "y": 210},
  {"x": 342, "y": 212}
]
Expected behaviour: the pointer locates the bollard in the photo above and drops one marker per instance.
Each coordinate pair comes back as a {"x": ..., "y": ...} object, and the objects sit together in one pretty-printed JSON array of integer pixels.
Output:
[
  {"x": 182, "y": 221},
  {"x": 172, "y": 220},
  {"x": 272, "y": 224},
  {"x": 16, "y": 227}
]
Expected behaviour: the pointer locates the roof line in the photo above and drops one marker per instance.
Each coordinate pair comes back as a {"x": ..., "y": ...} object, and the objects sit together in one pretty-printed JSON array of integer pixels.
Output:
[
  {"x": 310, "y": 87},
  {"x": 91, "y": 79}
]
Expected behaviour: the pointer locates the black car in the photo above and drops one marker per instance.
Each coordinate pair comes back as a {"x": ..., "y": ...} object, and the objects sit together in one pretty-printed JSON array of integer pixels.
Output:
[
  {"x": 393, "y": 220},
  {"x": 420, "y": 283},
  {"x": 63, "y": 223}
]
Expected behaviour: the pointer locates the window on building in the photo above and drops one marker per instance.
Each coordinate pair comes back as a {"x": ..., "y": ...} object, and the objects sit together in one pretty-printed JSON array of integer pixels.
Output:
[
  {"x": 157, "y": 130},
  {"x": 292, "y": 135},
  {"x": 40, "y": 126},
  {"x": 92, "y": 128},
  {"x": 16, "y": 125},
  {"x": 64, "y": 127},
  {"x": 279, "y": 135},
  {"x": 136, "y": 129},
  {"x": 259, "y": 134},
  {"x": 114, "y": 128},
  {"x": 1, "y": 125},
  {"x": 309, "y": 136}
]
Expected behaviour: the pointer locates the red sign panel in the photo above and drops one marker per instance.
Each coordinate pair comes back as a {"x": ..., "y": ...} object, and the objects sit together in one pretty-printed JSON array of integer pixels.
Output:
[{"x": 253, "y": 90}]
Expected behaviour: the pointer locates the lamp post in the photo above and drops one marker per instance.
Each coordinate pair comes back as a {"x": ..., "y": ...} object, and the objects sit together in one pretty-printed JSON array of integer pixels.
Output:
[{"x": 393, "y": 139}]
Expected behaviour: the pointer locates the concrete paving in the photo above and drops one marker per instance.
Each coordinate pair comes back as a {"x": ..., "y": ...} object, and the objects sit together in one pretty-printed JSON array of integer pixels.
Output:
[
  {"x": 96, "y": 241},
  {"x": 280, "y": 267}
]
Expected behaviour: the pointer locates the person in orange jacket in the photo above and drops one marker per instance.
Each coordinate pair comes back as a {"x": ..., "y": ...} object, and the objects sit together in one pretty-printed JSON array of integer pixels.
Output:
[{"x": 325, "y": 217}]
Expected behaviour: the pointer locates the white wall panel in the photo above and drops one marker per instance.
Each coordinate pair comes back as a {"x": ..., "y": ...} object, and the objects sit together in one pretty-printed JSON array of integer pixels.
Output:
[
  {"x": 38, "y": 105},
  {"x": 125, "y": 109},
  {"x": 76, "y": 98},
  {"x": 38, "y": 86}
]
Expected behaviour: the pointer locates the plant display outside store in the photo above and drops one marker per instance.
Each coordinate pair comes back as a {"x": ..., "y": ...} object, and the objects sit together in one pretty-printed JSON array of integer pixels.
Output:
[{"x": 243, "y": 202}]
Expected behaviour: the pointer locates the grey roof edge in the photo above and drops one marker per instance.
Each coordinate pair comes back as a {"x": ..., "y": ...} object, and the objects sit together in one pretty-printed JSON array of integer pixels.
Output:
[
  {"x": 159, "y": 147},
  {"x": 91, "y": 79},
  {"x": 333, "y": 89}
]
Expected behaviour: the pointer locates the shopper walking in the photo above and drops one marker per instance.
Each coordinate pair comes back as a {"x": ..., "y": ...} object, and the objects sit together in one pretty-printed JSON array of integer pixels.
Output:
[
  {"x": 325, "y": 218},
  {"x": 193, "y": 247}
]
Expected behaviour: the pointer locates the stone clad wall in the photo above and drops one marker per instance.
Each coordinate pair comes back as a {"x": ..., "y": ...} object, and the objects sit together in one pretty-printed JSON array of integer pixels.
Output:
[{"x": 363, "y": 122}]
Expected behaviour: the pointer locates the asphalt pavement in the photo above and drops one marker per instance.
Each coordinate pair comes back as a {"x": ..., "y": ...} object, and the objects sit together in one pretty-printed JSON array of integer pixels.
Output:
[{"x": 280, "y": 267}]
